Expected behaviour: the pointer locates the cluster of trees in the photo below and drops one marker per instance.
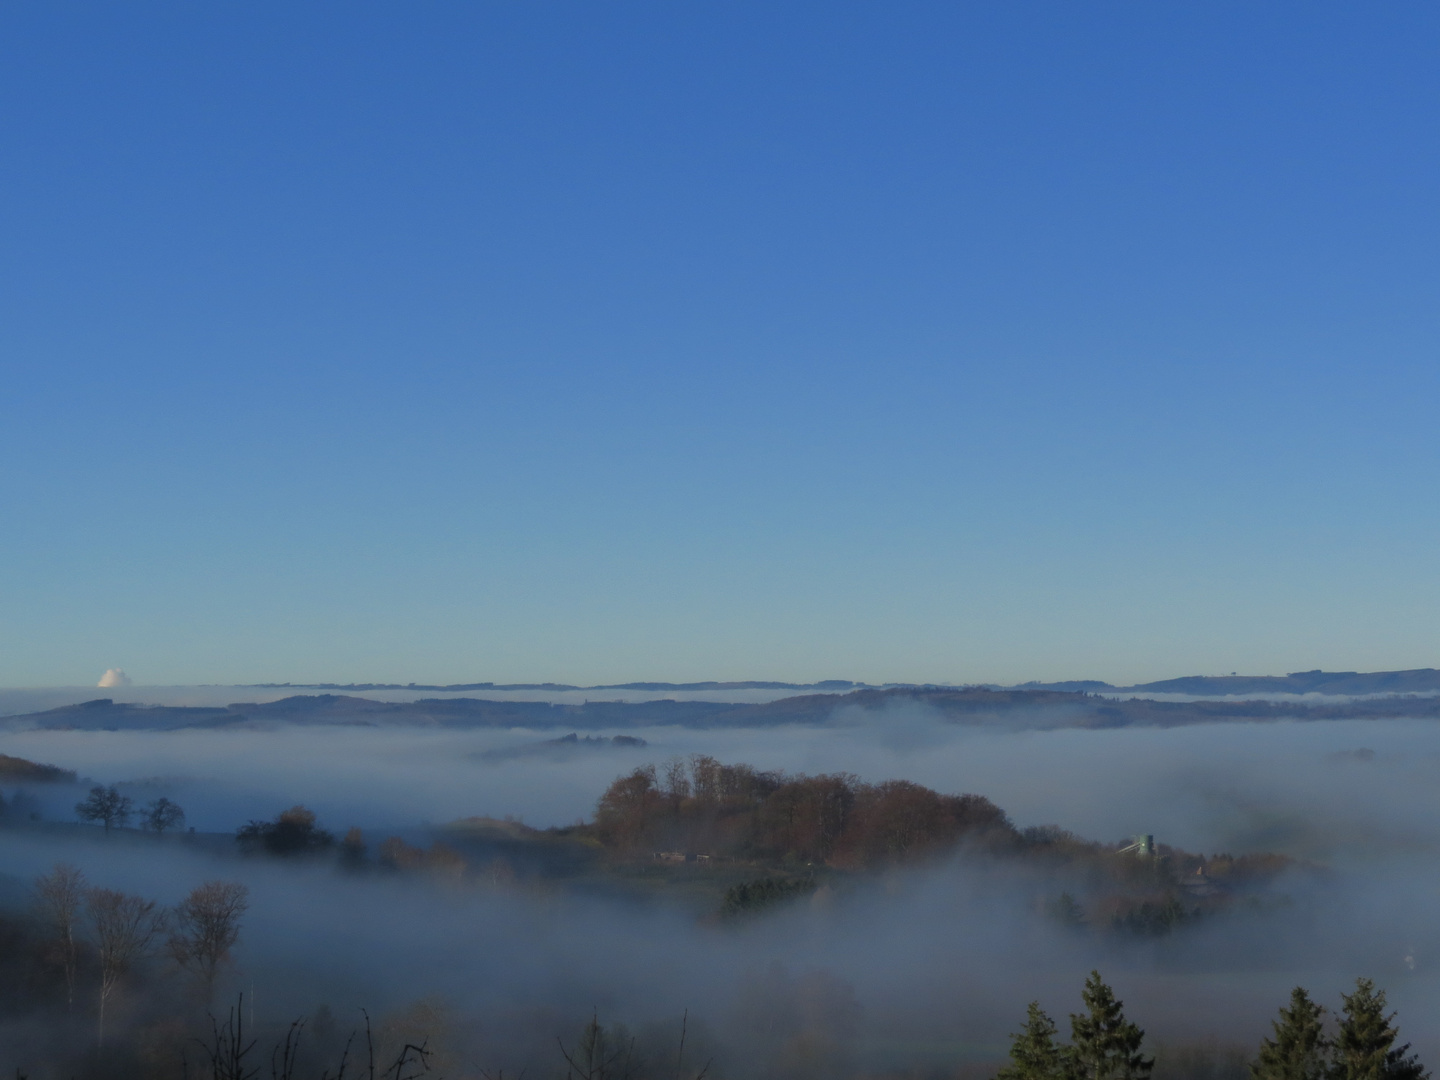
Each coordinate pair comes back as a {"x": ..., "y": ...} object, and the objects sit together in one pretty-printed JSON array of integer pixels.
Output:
[
  {"x": 1142, "y": 895},
  {"x": 1060, "y": 847},
  {"x": 795, "y": 823},
  {"x": 438, "y": 859},
  {"x": 113, "y": 810},
  {"x": 754, "y": 896},
  {"x": 700, "y": 805},
  {"x": 1362, "y": 1045},
  {"x": 19, "y": 769},
  {"x": 1104, "y": 1045},
  {"x": 293, "y": 832},
  {"x": 106, "y": 934},
  {"x": 296, "y": 832}
]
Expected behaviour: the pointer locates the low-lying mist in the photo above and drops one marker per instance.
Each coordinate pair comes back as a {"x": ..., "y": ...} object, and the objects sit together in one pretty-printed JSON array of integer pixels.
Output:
[
  {"x": 936, "y": 963},
  {"x": 1338, "y": 791},
  {"x": 912, "y": 967}
]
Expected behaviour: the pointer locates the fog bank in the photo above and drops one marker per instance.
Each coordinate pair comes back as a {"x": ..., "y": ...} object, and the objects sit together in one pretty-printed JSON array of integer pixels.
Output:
[{"x": 1346, "y": 792}]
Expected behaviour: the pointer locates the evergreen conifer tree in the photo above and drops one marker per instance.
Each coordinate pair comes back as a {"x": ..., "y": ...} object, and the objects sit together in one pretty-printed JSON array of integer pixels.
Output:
[
  {"x": 1034, "y": 1055},
  {"x": 1365, "y": 1046},
  {"x": 1299, "y": 1049},
  {"x": 1106, "y": 1045}
]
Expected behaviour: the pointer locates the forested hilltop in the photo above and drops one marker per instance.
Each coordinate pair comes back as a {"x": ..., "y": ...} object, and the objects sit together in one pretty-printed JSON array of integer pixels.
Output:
[
  {"x": 974, "y": 705},
  {"x": 799, "y": 829}
]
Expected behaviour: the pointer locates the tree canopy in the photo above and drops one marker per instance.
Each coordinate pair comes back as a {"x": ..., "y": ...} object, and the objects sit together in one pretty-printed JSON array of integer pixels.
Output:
[
  {"x": 1298, "y": 1049},
  {"x": 1034, "y": 1054},
  {"x": 163, "y": 814},
  {"x": 293, "y": 832},
  {"x": 105, "y": 805},
  {"x": 705, "y": 806}
]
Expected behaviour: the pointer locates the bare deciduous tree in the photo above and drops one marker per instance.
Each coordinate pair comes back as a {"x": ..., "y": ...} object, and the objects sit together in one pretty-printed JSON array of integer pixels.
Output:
[
  {"x": 600, "y": 1055},
  {"x": 226, "y": 1054},
  {"x": 228, "y": 1049},
  {"x": 105, "y": 805},
  {"x": 415, "y": 1059},
  {"x": 125, "y": 927},
  {"x": 677, "y": 780},
  {"x": 207, "y": 928},
  {"x": 162, "y": 814},
  {"x": 60, "y": 896},
  {"x": 680, "y": 1055}
]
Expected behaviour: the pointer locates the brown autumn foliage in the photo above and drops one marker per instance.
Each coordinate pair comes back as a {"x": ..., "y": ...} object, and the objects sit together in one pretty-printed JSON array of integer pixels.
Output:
[
  {"x": 438, "y": 859},
  {"x": 702, "y": 807},
  {"x": 836, "y": 819}
]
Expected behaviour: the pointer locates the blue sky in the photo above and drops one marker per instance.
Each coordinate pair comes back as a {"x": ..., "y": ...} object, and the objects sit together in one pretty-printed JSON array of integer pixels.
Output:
[{"x": 605, "y": 342}]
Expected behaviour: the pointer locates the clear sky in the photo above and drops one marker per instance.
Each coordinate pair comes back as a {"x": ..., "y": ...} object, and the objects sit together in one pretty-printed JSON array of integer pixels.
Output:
[{"x": 598, "y": 342}]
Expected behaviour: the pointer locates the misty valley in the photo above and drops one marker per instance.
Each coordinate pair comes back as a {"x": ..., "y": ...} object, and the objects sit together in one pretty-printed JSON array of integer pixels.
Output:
[
  {"x": 904, "y": 883},
  {"x": 746, "y": 541}
]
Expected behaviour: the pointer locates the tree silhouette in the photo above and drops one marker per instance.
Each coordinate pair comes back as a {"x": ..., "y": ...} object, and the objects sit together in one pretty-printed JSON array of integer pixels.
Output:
[
  {"x": 124, "y": 926},
  {"x": 1034, "y": 1054},
  {"x": 1365, "y": 1045},
  {"x": 227, "y": 1054},
  {"x": 207, "y": 928},
  {"x": 162, "y": 814},
  {"x": 60, "y": 896},
  {"x": 599, "y": 1055},
  {"x": 105, "y": 805},
  {"x": 1106, "y": 1046},
  {"x": 1299, "y": 1049},
  {"x": 293, "y": 832}
]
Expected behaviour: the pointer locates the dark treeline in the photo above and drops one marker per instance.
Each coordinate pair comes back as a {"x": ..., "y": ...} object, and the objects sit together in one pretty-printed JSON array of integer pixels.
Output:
[
  {"x": 13, "y": 769},
  {"x": 165, "y": 1035},
  {"x": 1362, "y": 1042}
]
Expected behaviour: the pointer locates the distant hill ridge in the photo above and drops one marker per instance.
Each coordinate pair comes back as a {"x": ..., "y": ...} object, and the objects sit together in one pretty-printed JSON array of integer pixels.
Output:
[
  {"x": 1415, "y": 681},
  {"x": 660, "y": 687},
  {"x": 1032, "y": 708}
]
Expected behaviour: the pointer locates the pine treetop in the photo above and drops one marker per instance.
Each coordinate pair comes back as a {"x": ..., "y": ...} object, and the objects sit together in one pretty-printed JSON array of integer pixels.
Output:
[
  {"x": 1106, "y": 1046},
  {"x": 1365, "y": 1045},
  {"x": 1298, "y": 1050},
  {"x": 1034, "y": 1053}
]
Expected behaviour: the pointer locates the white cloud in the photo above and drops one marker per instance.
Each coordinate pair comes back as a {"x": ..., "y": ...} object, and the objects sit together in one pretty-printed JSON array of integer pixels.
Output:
[{"x": 114, "y": 677}]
